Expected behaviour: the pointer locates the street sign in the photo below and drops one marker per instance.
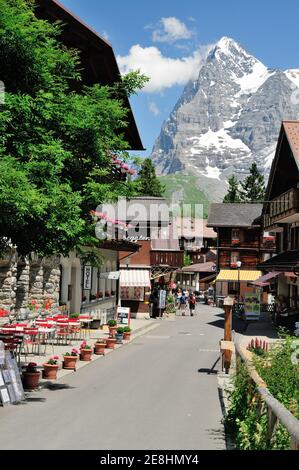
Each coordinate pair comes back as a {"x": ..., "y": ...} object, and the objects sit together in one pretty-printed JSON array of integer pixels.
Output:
[
  {"x": 87, "y": 276},
  {"x": 123, "y": 315}
]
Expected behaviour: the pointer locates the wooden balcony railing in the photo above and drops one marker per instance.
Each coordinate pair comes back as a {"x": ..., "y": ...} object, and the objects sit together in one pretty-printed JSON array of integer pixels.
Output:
[
  {"x": 282, "y": 208},
  {"x": 173, "y": 259}
]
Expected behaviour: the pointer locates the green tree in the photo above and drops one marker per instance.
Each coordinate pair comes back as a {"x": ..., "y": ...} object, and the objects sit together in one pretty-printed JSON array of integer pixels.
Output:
[
  {"x": 253, "y": 186},
  {"x": 147, "y": 183},
  {"x": 55, "y": 144},
  {"x": 233, "y": 193}
]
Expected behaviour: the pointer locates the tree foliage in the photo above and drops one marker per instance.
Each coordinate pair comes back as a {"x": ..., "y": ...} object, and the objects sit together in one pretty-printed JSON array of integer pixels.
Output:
[
  {"x": 233, "y": 193},
  {"x": 147, "y": 183},
  {"x": 55, "y": 143},
  {"x": 253, "y": 186}
]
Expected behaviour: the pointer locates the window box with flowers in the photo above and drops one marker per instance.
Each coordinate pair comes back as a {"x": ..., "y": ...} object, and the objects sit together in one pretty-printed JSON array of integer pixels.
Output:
[
  {"x": 85, "y": 352},
  {"x": 107, "y": 293},
  {"x": 236, "y": 242},
  {"x": 51, "y": 368},
  {"x": 99, "y": 295},
  {"x": 30, "y": 377},
  {"x": 70, "y": 359}
]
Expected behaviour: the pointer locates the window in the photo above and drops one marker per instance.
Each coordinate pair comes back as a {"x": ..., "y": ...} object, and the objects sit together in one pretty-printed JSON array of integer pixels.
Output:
[{"x": 235, "y": 234}]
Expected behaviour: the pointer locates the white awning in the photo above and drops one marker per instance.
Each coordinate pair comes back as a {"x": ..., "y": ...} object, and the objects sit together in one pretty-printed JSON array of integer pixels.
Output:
[{"x": 135, "y": 278}]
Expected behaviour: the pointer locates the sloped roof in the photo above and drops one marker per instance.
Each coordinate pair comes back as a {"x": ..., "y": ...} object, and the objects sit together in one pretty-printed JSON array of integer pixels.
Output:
[
  {"x": 292, "y": 132},
  {"x": 98, "y": 60},
  {"x": 208, "y": 267},
  {"x": 186, "y": 227},
  {"x": 235, "y": 215}
]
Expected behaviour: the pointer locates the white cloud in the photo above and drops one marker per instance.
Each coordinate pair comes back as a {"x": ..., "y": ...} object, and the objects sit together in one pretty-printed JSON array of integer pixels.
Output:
[
  {"x": 171, "y": 29},
  {"x": 164, "y": 72},
  {"x": 154, "y": 108}
]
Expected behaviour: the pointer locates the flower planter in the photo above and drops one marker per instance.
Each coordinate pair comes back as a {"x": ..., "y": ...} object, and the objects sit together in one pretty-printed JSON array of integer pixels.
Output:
[
  {"x": 112, "y": 331},
  {"x": 69, "y": 362},
  {"x": 30, "y": 380},
  {"x": 85, "y": 355},
  {"x": 119, "y": 338},
  {"x": 99, "y": 349},
  {"x": 111, "y": 343},
  {"x": 127, "y": 336},
  {"x": 50, "y": 371}
]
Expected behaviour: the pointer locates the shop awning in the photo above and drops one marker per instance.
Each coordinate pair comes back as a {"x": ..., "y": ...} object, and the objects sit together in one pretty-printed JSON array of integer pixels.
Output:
[
  {"x": 135, "y": 278},
  {"x": 287, "y": 261},
  {"x": 233, "y": 276},
  {"x": 264, "y": 280}
]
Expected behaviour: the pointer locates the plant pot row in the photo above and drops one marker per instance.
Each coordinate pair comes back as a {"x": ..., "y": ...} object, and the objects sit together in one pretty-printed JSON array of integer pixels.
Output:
[{"x": 31, "y": 378}]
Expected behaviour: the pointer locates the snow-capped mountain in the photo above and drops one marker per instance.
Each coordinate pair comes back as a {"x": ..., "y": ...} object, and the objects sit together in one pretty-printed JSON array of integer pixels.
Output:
[{"x": 226, "y": 119}]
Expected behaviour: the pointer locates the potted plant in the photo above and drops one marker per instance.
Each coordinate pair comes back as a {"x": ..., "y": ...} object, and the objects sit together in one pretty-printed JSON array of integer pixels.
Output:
[
  {"x": 119, "y": 335},
  {"x": 74, "y": 316},
  {"x": 112, "y": 327},
  {"x": 92, "y": 297},
  {"x": 51, "y": 368},
  {"x": 85, "y": 352},
  {"x": 99, "y": 347},
  {"x": 112, "y": 293},
  {"x": 31, "y": 377},
  {"x": 110, "y": 343},
  {"x": 70, "y": 359},
  {"x": 127, "y": 333},
  {"x": 99, "y": 295},
  {"x": 107, "y": 293}
]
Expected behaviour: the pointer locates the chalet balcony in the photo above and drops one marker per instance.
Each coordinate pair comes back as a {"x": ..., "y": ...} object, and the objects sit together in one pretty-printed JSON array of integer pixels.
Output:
[
  {"x": 171, "y": 259},
  {"x": 283, "y": 210}
]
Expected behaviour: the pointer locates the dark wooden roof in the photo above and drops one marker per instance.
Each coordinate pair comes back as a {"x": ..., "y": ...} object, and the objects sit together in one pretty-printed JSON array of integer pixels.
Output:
[
  {"x": 287, "y": 261},
  {"x": 234, "y": 215},
  {"x": 98, "y": 60}
]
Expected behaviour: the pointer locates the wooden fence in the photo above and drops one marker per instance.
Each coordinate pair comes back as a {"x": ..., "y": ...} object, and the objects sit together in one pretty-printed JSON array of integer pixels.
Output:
[{"x": 276, "y": 412}]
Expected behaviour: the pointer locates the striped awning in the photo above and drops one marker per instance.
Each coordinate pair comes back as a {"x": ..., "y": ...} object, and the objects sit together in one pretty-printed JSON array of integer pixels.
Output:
[
  {"x": 135, "y": 278},
  {"x": 235, "y": 275}
]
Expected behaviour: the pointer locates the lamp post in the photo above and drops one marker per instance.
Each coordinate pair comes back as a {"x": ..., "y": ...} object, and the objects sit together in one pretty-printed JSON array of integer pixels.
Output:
[{"x": 239, "y": 264}]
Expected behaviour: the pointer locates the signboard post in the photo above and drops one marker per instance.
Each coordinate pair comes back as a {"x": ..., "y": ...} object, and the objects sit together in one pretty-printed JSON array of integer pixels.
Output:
[
  {"x": 123, "y": 315},
  {"x": 228, "y": 311}
]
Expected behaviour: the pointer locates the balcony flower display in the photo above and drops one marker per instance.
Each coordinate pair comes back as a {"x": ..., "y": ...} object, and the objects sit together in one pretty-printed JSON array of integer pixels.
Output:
[{"x": 235, "y": 242}]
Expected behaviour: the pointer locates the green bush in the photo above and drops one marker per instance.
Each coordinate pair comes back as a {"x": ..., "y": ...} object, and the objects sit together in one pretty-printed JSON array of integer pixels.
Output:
[{"x": 246, "y": 420}]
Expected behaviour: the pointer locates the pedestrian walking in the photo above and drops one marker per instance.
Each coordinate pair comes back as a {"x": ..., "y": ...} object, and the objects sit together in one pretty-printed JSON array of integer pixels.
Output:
[
  {"x": 192, "y": 302},
  {"x": 183, "y": 302}
]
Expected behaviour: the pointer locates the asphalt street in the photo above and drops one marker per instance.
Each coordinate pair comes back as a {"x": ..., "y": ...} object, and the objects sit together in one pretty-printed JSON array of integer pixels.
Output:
[{"x": 158, "y": 392}]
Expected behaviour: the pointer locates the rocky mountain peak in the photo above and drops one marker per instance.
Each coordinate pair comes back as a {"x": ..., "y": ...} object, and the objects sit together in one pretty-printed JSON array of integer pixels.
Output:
[{"x": 226, "y": 119}]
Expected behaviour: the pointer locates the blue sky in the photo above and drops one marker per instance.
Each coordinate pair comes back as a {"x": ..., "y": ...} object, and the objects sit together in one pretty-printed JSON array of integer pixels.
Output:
[{"x": 169, "y": 38}]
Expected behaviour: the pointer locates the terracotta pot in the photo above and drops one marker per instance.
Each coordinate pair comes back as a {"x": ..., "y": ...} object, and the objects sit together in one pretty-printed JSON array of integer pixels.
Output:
[
  {"x": 111, "y": 343},
  {"x": 85, "y": 355},
  {"x": 112, "y": 331},
  {"x": 30, "y": 380},
  {"x": 99, "y": 349},
  {"x": 69, "y": 362},
  {"x": 127, "y": 336},
  {"x": 50, "y": 371}
]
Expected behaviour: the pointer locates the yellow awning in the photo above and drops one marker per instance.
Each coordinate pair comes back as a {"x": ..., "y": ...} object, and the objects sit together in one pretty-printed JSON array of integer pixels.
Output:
[{"x": 232, "y": 275}]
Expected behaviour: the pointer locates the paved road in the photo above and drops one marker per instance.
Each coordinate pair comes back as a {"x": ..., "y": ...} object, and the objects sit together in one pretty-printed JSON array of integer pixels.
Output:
[{"x": 155, "y": 393}]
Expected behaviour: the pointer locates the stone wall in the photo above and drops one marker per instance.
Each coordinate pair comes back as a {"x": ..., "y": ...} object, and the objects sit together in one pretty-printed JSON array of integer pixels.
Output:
[{"x": 23, "y": 281}]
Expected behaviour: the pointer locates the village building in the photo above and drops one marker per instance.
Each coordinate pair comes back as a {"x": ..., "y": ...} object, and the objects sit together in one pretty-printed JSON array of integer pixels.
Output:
[
  {"x": 281, "y": 216},
  {"x": 242, "y": 246},
  {"x": 159, "y": 254}
]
